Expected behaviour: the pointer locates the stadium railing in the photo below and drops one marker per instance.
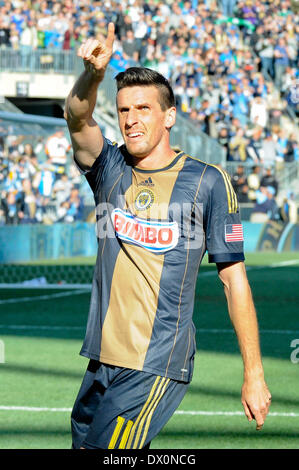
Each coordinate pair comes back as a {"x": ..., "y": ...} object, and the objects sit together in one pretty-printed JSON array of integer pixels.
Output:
[
  {"x": 185, "y": 135},
  {"x": 39, "y": 61}
]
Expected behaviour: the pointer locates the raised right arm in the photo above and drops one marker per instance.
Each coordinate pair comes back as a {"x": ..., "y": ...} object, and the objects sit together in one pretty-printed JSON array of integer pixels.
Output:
[{"x": 86, "y": 136}]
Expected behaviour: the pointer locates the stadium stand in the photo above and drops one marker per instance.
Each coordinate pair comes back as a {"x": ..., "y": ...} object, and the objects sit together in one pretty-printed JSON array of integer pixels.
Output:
[{"x": 233, "y": 66}]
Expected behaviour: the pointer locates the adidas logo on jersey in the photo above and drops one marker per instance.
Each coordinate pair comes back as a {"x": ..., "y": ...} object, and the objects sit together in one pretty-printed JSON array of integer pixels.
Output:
[
  {"x": 157, "y": 237},
  {"x": 148, "y": 183}
]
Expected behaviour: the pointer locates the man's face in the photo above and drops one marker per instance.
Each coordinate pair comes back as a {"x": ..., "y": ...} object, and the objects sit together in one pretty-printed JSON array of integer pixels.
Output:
[{"x": 143, "y": 124}]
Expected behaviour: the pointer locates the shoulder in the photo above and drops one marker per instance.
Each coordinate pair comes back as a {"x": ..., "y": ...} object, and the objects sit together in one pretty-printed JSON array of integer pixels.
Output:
[
  {"x": 220, "y": 188},
  {"x": 212, "y": 173}
]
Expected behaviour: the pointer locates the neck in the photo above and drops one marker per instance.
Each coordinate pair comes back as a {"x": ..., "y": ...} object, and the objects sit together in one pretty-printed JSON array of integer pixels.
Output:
[{"x": 155, "y": 160}]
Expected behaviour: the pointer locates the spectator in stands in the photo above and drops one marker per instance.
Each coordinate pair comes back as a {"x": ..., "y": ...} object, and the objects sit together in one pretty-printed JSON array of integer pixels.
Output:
[
  {"x": 240, "y": 104},
  {"x": 253, "y": 181},
  {"x": 266, "y": 54},
  {"x": 28, "y": 42},
  {"x": 62, "y": 212},
  {"x": 265, "y": 207},
  {"x": 258, "y": 112},
  {"x": 238, "y": 145},
  {"x": 255, "y": 147},
  {"x": 269, "y": 180},
  {"x": 4, "y": 33},
  {"x": 239, "y": 181},
  {"x": 69, "y": 38},
  {"x": 130, "y": 48},
  {"x": 223, "y": 139},
  {"x": 289, "y": 209},
  {"x": 75, "y": 210},
  {"x": 268, "y": 149},
  {"x": 14, "y": 37},
  {"x": 62, "y": 189},
  {"x": 243, "y": 195},
  {"x": 289, "y": 155},
  {"x": 281, "y": 145},
  {"x": 57, "y": 148},
  {"x": 281, "y": 61},
  {"x": 12, "y": 207},
  {"x": 45, "y": 179},
  {"x": 28, "y": 202},
  {"x": 45, "y": 211}
]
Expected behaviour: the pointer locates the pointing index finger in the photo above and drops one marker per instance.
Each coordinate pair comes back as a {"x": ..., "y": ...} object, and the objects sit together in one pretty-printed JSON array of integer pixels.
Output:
[{"x": 110, "y": 36}]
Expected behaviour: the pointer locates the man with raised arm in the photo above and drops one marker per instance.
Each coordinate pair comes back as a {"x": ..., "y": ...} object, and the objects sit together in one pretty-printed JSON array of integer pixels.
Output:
[{"x": 159, "y": 211}]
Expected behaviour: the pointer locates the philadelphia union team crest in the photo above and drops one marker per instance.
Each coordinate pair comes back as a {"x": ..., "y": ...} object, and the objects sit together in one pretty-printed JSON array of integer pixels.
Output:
[{"x": 144, "y": 200}]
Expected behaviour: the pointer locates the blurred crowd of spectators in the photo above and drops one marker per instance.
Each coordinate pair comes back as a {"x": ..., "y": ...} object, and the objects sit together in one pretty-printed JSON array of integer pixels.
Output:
[
  {"x": 230, "y": 62},
  {"x": 39, "y": 184},
  {"x": 233, "y": 64},
  {"x": 35, "y": 186},
  {"x": 260, "y": 187}
]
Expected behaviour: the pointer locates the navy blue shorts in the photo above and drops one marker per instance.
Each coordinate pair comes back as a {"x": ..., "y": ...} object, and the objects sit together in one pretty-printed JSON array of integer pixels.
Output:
[{"x": 118, "y": 408}]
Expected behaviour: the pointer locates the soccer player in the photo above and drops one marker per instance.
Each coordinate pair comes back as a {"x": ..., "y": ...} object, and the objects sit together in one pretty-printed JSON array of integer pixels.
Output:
[{"x": 159, "y": 211}]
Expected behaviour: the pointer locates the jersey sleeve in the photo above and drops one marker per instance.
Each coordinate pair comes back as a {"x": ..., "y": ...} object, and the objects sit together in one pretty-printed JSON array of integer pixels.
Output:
[
  {"x": 223, "y": 227},
  {"x": 107, "y": 162}
]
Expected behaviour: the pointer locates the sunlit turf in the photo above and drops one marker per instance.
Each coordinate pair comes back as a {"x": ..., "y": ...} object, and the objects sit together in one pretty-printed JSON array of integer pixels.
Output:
[{"x": 43, "y": 369}]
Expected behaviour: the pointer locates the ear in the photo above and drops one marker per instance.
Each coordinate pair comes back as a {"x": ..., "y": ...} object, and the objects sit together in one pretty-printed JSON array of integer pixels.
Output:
[{"x": 170, "y": 117}]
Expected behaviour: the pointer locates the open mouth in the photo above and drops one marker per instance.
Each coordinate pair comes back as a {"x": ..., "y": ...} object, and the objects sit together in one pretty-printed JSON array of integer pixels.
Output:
[{"x": 135, "y": 135}]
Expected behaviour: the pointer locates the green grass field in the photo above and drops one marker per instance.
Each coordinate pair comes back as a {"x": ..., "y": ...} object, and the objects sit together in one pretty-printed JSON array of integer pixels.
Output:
[{"x": 42, "y": 334}]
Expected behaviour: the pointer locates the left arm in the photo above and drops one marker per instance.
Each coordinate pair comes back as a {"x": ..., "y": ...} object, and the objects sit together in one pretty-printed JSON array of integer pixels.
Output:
[{"x": 256, "y": 397}]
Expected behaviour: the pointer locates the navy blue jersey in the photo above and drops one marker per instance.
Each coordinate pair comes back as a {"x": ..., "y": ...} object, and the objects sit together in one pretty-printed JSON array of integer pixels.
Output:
[{"x": 153, "y": 228}]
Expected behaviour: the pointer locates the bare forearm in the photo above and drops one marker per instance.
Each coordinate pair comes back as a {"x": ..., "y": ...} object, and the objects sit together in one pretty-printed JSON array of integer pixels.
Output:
[
  {"x": 244, "y": 320},
  {"x": 256, "y": 397},
  {"x": 81, "y": 101},
  {"x": 243, "y": 317}
]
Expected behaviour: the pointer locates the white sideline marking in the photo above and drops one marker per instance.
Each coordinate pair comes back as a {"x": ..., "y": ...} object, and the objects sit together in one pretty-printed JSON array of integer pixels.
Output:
[
  {"x": 284, "y": 263},
  {"x": 41, "y": 297},
  {"x": 180, "y": 412},
  {"x": 250, "y": 268},
  {"x": 20, "y": 285},
  {"x": 34, "y": 409},
  {"x": 88, "y": 286},
  {"x": 40, "y": 327},
  {"x": 232, "y": 413},
  {"x": 216, "y": 330}
]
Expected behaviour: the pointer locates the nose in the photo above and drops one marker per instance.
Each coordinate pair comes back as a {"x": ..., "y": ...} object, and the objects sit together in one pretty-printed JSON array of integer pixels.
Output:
[{"x": 132, "y": 117}]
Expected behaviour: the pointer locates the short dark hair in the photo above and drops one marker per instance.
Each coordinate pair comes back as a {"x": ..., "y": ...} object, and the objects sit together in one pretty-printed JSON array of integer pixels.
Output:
[{"x": 143, "y": 76}]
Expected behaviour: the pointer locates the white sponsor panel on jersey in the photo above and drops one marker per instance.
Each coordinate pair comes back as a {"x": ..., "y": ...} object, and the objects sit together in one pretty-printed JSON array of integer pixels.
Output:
[{"x": 155, "y": 236}]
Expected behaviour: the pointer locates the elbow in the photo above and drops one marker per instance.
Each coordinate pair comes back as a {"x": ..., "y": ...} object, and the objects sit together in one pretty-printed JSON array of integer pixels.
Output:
[{"x": 74, "y": 124}]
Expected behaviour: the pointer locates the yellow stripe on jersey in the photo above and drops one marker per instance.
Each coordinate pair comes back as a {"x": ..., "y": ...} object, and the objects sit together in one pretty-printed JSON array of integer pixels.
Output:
[
  {"x": 149, "y": 418},
  {"x": 141, "y": 412},
  {"x": 231, "y": 196},
  {"x": 149, "y": 408},
  {"x": 126, "y": 434},
  {"x": 119, "y": 425}
]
